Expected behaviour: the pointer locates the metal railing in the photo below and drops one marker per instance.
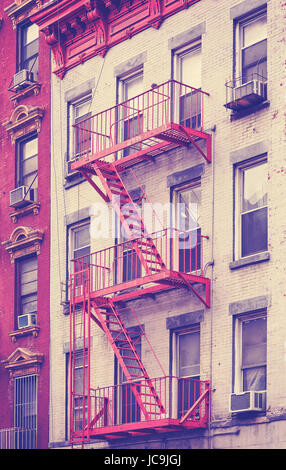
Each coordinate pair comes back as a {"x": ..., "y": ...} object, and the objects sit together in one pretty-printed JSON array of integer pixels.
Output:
[
  {"x": 180, "y": 251},
  {"x": 17, "y": 438},
  {"x": 182, "y": 399},
  {"x": 136, "y": 122}
]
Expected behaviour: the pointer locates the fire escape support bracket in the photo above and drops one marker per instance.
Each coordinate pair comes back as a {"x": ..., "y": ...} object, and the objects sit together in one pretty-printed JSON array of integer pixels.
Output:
[
  {"x": 192, "y": 134},
  {"x": 206, "y": 282},
  {"x": 94, "y": 185}
]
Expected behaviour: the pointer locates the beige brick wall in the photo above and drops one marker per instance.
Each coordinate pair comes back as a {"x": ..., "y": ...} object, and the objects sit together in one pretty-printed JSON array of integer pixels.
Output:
[{"x": 267, "y": 278}]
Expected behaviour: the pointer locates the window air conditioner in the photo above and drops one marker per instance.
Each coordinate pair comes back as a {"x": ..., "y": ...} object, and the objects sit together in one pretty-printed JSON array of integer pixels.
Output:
[
  {"x": 252, "y": 92},
  {"x": 23, "y": 78},
  {"x": 247, "y": 401},
  {"x": 29, "y": 319},
  {"x": 21, "y": 196}
]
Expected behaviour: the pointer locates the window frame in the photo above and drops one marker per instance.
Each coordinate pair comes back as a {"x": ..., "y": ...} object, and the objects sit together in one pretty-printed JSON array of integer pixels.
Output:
[
  {"x": 21, "y": 28},
  {"x": 18, "y": 283},
  {"x": 190, "y": 394},
  {"x": 238, "y": 368},
  {"x": 238, "y": 208},
  {"x": 19, "y": 160},
  {"x": 176, "y": 190},
  {"x": 71, "y": 113},
  {"x": 193, "y": 99},
  {"x": 70, "y": 244},
  {"x": 239, "y": 27},
  {"x": 122, "y": 95}
]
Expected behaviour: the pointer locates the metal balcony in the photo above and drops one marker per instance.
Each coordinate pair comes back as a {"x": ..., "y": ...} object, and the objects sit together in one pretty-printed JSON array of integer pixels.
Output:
[
  {"x": 162, "y": 118},
  {"x": 165, "y": 259},
  {"x": 112, "y": 412}
]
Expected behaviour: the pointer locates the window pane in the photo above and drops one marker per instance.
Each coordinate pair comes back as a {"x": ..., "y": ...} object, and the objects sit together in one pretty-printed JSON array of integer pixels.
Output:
[
  {"x": 81, "y": 236},
  {"x": 82, "y": 109},
  {"x": 189, "y": 354},
  {"x": 254, "y": 187},
  {"x": 254, "y": 378},
  {"x": 254, "y": 342},
  {"x": 254, "y": 232},
  {"x": 188, "y": 208},
  {"x": 190, "y": 68},
  {"x": 30, "y": 148},
  {"x": 30, "y": 33},
  {"x": 133, "y": 86},
  {"x": 254, "y": 31}
]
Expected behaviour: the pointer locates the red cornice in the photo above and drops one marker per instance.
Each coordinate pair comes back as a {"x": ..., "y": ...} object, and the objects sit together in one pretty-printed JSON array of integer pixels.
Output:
[{"x": 77, "y": 30}]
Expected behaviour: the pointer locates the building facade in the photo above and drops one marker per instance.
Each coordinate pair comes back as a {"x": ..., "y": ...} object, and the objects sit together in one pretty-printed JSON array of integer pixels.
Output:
[
  {"x": 25, "y": 231},
  {"x": 167, "y": 171}
]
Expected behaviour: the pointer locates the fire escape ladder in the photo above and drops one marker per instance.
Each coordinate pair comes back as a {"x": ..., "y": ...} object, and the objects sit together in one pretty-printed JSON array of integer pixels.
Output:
[
  {"x": 130, "y": 217},
  {"x": 129, "y": 360}
]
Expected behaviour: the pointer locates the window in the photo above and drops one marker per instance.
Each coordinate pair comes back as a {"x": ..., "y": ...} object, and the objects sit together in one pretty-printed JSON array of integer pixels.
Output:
[
  {"x": 79, "y": 239},
  {"x": 253, "y": 48},
  {"x": 187, "y": 210},
  {"x": 79, "y": 138},
  {"x": 29, "y": 48},
  {"x": 27, "y": 165},
  {"x": 188, "y": 72},
  {"x": 80, "y": 387},
  {"x": 131, "y": 113},
  {"x": 188, "y": 366},
  {"x": 251, "y": 344},
  {"x": 26, "y": 285},
  {"x": 128, "y": 407},
  {"x": 25, "y": 412},
  {"x": 252, "y": 203}
]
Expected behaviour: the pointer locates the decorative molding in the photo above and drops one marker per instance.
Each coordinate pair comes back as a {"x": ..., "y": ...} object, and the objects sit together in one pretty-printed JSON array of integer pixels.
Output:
[
  {"x": 77, "y": 30},
  {"x": 23, "y": 362},
  {"x": 23, "y": 241},
  {"x": 30, "y": 208},
  {"x": 22, "y": 9},
  {"x": 20, "y": 95},
  {"x": 23, "y": 121}
]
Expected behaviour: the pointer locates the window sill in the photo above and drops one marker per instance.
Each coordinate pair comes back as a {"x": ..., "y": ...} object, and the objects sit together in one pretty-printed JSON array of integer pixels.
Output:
[
  {"x": 250, "y": 110},
  {"x": 25, "y": 92},
  {"x": 250, "y": 260},
  {"x": 73, "y": 179},
  {"x": 31, "y": 330},
  {"x": 35, "y": 208}
]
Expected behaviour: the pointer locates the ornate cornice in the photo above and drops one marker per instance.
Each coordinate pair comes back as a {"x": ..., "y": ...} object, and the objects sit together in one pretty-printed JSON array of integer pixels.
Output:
[
  {"x": 23, "y": 362},
  {"x": 19, "y": 10},
  {"x": 23, "y": 241},
  {"x": 77, "y": 30},
  {"x": 23, "y": 121}
]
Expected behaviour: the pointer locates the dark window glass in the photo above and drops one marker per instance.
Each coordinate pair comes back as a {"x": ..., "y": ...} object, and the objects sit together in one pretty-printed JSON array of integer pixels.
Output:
[
  {"x": 27, "y": 273},
  {"x": 29, "y": 37},
  {"x": 188, "y": 367},
  {"x": 254, "y": 231},
  {"x": 27, "y": 162},
  {"x": 254, "y": 354}
]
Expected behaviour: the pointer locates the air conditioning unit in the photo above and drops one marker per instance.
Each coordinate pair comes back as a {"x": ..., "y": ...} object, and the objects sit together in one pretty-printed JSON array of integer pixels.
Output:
[
  {"x": 21, "y": 196},
  {"x": 254, "y": 87},
  {"x": 29, "y": 319},
  {"x": 247, "y": 401},
  {"x": 23, "y": 78}
]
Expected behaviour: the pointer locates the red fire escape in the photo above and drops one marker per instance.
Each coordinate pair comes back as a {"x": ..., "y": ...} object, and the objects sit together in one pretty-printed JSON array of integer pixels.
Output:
[{"x": 108, "y": 143}]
